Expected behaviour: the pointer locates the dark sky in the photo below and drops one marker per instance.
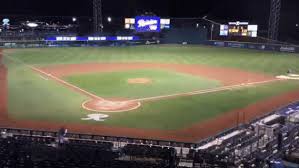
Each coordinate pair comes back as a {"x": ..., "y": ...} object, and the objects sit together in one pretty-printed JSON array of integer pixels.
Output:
[
  {"x": 254, "y": 11},
  {"x": 129, "y": 7}
]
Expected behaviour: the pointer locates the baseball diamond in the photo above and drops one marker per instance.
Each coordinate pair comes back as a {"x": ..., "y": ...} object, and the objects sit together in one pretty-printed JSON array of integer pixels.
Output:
[
  {"x": 166, "y": 92},
  {"x": 149, "y": 84}
]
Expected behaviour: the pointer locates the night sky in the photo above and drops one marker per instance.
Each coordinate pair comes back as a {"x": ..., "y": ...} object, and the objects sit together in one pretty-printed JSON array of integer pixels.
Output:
[
  {"x": 251, "y": 10},
  {"x": 254, "y": 11}
]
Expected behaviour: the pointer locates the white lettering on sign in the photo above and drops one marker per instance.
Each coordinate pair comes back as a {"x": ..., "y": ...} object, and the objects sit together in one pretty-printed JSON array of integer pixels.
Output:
[
  {"x": 143, "y": 23},
  {"x": 66, "y": 38}
]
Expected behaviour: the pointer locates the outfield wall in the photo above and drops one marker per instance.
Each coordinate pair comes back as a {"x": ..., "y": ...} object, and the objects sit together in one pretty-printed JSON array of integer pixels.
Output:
[
  {"x": 174, "y": 37},
  {"x": 256, "y": 46}
]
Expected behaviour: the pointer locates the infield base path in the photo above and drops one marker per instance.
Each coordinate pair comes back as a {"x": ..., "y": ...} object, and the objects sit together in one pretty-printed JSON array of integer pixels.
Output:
[{"x": 192, "y": 134}]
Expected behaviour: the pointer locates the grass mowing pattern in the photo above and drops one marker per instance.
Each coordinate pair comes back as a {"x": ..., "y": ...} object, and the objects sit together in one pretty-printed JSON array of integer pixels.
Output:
[
  {"x": 259, "y": 61},
  {"x": 182, "y": 112},
  {"x": 114, "y": 84},
  {"x": 33, "y": 98}
]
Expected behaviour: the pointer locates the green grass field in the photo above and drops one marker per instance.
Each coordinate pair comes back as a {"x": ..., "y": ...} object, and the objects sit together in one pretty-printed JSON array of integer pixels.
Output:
[
  {"x": 33, "y": 98},
  {"x": 115, "y": 84}
]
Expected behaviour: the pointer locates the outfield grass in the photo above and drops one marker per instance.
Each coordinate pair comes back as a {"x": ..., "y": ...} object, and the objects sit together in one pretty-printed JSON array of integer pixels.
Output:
[
  {"x": 252, "y": 60},
  {"x": 31, "y": 97},
  {"x": 164, "y": 82}
]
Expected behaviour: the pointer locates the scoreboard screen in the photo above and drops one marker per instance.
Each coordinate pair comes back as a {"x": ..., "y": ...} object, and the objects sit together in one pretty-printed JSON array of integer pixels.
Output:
[
  {"x": 147, "y": 24},
  {"x": 242, "y": 29},
  {"x": 223, "y": 30}
]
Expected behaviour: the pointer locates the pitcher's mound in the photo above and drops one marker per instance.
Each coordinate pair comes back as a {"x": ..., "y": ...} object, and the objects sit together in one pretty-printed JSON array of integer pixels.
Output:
[
  {"x": 139, "y": 81},
  {"x": 110, "y": 105}
]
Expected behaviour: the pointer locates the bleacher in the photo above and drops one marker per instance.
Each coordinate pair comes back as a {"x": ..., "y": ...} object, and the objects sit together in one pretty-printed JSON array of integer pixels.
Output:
[{"x": 45, "y": 152}]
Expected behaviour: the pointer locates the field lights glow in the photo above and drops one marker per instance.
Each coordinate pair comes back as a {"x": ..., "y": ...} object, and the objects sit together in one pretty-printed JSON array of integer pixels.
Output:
[{"x": 32, "y": 24}]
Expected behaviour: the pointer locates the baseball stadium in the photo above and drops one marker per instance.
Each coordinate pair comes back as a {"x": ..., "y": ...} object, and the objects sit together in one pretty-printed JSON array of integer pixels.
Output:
[
  {"x": 167, "y": 92},
  {"x": 150, "y": 89}
]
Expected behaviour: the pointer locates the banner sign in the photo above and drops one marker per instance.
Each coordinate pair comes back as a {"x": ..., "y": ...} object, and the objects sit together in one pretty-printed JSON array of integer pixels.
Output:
[
  {"x": 256, "y": 46},
  {"x": 147, "y": 24},
  {"x": 93, "y": 38}
]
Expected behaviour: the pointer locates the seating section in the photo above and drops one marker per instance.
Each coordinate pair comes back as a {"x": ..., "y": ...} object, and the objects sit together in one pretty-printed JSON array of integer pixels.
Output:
[
  {"x": 149, "y": 151},
  {"x": 43, "y": 152}
]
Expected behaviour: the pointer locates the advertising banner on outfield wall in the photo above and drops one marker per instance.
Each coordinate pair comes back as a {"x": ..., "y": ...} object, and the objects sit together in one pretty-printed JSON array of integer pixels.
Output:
[
  {"x": 255, "y": 46},
  {"x": 287, "y": 49},
  {"x": 236, "y": 45}
]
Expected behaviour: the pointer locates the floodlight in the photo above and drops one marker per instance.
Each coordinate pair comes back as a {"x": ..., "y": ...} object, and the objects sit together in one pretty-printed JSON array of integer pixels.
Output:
[
  {"x": 109, "y": 19},
  {"x": 31, "y": 24}
]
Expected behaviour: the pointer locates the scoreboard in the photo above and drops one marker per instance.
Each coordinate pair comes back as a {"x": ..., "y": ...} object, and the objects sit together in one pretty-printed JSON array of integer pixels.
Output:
[
  {"x": 242, "y": 29},
  {"x": 147, "y": 24}
]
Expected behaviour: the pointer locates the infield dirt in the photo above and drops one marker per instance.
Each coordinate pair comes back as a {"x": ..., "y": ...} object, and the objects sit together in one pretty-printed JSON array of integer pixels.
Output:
[{"x": 194, "y": 133}]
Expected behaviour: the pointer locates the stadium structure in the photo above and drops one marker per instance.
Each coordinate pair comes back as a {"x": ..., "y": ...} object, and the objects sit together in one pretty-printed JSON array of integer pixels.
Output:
[{"x": 147, "y": 91}]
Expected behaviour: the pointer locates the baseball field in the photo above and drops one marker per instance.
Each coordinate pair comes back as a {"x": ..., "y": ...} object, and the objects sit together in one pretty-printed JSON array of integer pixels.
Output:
[{"x": 167, "y": 92}]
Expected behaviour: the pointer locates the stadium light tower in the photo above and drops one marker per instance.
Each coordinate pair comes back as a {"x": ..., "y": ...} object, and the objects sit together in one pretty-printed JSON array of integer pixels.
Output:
[
  {"x": 213, "y": 23},
  {"x": 273, "y": 29},
  {"x": 97, "y": 16}
]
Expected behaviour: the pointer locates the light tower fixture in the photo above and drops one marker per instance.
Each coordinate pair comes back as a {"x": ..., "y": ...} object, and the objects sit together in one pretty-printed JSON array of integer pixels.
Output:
[
  {"x": 74, "y": 19},
  {"x": 97, "y": 16},
  {"x": 273, "y": 29},
  {"x": 109, "y": 19}
]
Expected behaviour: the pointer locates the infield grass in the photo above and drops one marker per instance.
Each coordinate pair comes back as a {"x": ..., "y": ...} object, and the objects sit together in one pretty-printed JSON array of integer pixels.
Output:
[
  {"x": 32, "y": 97},
  {"x": 182, "y": 112},
  {"x": 163, "y": 82}
]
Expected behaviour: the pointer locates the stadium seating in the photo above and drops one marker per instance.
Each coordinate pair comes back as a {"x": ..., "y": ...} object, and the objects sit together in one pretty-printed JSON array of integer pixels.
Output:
[{"x": 43, "y": 152}]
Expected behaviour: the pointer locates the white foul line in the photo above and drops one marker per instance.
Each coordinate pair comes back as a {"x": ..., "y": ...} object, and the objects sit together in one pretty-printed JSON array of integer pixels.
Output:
[
  {"x": 43, "y": 77},
  {"x": 56, "y": 78},
  {"x": 199, "y": 92},
  {"x": 208, "y": 90}
]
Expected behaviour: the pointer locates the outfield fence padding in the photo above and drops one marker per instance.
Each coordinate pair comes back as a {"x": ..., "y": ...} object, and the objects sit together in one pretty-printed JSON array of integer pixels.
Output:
[{"x": 256, "y": 46}]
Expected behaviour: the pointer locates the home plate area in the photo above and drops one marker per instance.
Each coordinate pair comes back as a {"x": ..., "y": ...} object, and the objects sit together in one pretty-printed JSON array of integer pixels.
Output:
[{"x": 97, "y": 105}]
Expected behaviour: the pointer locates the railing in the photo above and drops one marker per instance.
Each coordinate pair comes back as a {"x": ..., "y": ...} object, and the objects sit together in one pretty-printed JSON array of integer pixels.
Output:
[{"x": 92, "y": 137}]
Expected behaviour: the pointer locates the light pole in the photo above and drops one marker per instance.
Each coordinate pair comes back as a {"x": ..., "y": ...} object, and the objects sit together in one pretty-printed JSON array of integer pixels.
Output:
[
  {"x": 212, "y": 29},
  {"x": 213, "y": 23}
]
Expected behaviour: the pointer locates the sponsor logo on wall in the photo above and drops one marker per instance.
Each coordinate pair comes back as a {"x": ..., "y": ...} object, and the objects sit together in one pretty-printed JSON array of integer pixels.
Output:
[
  {"x": 287, "y": 49},
  {"x": 219, "y": 43},
  {"x": 147, "y": 24},
  {"x": 236, "y": 45},
  {"x": 269, "y": 47},
  {"x": 251, "y": 46}
]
